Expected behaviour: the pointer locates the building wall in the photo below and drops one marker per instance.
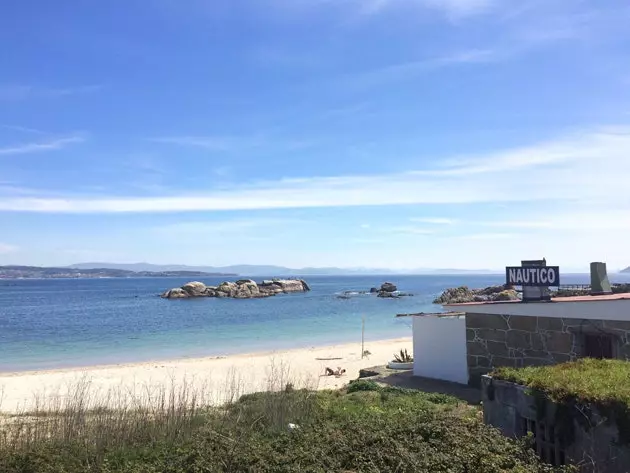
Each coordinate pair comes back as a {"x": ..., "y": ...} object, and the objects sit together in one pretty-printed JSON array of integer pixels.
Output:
[
  {"x": 562, "y": 436},
  {"x": 439, "y": 348},
  {"x": 512, "y": 340}
]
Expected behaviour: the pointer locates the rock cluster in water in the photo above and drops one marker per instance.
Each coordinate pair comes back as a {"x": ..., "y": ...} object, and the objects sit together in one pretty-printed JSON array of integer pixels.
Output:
[
  {"x": 389, "y": 289},
  {"x": 241, "y": 289},
  {"x": 462, "y": 294}
]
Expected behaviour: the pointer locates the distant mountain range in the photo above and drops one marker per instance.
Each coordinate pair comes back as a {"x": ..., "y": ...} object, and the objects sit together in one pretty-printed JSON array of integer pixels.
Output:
[
  {"x": 627, "y": 270},
  {"x": 36, "y": 272},
  {"x": 270, "y": 270}
]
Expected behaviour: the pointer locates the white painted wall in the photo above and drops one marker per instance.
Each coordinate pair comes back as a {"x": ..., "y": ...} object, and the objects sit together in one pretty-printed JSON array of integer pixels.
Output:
[{"x": 439, "y": 348}]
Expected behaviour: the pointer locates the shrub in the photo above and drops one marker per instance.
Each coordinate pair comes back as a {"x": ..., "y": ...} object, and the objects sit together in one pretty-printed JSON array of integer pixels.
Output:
[
  {"x": 363, "y": 385},
  {"x": 367, "y": 429},
  {"x": 403, "y": 357}
]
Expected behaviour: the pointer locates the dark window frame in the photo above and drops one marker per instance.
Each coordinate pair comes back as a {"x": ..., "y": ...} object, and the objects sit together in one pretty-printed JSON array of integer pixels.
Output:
[{"x": 599, "y": 345}]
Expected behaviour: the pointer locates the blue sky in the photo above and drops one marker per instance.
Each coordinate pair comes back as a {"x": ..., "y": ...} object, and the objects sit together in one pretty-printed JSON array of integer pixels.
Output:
[{"x": 373, "y": 133}]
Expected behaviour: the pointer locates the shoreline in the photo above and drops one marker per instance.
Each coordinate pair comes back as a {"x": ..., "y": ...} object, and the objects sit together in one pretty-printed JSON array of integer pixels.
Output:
[
  {"x": 216, "y": 378},
  {"x": 258, "y": 348},
  {"x": 196, "y": 359}
]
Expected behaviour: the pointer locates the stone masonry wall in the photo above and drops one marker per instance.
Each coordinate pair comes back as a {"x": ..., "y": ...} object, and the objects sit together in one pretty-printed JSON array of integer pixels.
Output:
[{"x": 503, "y": 340}]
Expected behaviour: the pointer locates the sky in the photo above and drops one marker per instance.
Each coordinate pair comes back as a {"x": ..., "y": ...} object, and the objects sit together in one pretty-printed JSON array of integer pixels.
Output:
[{"x": 352, "y": 133}]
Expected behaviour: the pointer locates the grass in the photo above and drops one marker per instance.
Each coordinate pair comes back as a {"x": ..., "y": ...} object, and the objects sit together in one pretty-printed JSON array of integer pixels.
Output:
[
  {"x": 602, "y": 382},
  {"x": 364, "y": 428}
]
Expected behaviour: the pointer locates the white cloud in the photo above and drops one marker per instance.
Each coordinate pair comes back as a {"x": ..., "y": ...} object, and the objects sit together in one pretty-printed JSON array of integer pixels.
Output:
[
  {"x": 214, "y": 143},
  {"x": 588, "y": 167},
  {"x": 41, "y": 146},
  {"x": 410, "y": 69},
  {"x": 410, "y": 230},
  {"x": 235, "y": 227},
  {"x": 604, "y": 219},
  {"x": 5, "y": 248},
  {"x": 459, "y": 8},
  {"x": 433, "y": 220},
  {"x": 486, "y": 236}
]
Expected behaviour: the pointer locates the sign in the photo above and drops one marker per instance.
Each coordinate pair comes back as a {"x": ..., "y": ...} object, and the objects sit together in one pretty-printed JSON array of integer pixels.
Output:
[{"x": 541, "y": 276}]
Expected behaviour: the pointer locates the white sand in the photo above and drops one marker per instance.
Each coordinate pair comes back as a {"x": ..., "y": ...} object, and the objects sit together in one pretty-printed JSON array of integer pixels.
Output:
[{"x": 213, "y": 379}]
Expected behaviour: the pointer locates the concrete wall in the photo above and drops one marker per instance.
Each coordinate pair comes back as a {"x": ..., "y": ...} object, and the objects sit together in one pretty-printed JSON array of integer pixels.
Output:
[
  {"x": 562, "y": 436},
  {"x": 439, "y": 348},
  {"x": 511, "y": 340}
]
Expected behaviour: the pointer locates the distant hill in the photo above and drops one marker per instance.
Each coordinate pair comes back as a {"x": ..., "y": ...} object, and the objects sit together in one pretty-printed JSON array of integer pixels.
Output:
[
  {"x": 627, "y": 270},
  {"x": 37, "y": 272},
  {"x": 270, "y": 270}
]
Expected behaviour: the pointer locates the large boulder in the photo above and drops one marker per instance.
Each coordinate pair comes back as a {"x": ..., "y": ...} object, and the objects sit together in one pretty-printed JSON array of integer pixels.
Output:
[
  {"x": 291, "y": 285},
  {"x": 388, "y": 287},
  {"x": 455, "y": 295},
  {"x": 226, "y": 287},
  {"x": 175, "y": 293},
  {"x": 195, "y": 288}
]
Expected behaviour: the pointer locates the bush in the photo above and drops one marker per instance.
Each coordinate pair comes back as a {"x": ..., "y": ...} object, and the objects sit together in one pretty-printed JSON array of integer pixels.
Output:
[
  {"x": 367, "y": 429},
  {"x": 363, "y": 385}
]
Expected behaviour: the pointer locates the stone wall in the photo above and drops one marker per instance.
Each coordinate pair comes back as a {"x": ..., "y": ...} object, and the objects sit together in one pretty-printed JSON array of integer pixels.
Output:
[
  {"x": 563, "y": 434},
  {"x": 503, "y": 340}
]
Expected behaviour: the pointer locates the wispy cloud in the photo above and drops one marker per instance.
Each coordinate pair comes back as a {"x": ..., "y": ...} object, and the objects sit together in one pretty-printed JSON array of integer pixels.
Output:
[
  {"x": 5, "y": 248},
  {"x": 234, "y": 143},
  {"x": 232, "y": 226},
  {"x": 213, "y": 143},
  {"x": 577, "y": 219},
  {"x": 456, "y": 9},
  {"x": 453, "y": 9},
  {"x": 28, "y": 148},
  {"x": 23, "y": 92},
  {"x": 587, "y": 167},
  {"x": 409, "y": 70},
  {"x": 433, "y": 220},
  {"x": 409, "y": 229},
  {"x": 486, "y": 236},
  {"x": 23, "y": 129}
]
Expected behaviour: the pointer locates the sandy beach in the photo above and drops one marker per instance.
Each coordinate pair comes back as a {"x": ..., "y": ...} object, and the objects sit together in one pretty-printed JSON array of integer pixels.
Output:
[{"x": 211, "y": 380}]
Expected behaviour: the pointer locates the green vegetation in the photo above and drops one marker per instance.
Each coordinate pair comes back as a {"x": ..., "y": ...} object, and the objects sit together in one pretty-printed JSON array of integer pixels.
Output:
[
  {"x": 367, "y": 428},
  {"x": 403, "y": 357},
  {"x": 602, "y": 382}
]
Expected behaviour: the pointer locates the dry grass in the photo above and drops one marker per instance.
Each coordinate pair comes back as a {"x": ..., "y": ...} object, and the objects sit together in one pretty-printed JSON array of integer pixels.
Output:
[{"x": 146, "y": 414}]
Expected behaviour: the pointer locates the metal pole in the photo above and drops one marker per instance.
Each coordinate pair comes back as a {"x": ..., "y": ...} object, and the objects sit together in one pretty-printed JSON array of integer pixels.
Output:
[{"x": 362, "y": 335}]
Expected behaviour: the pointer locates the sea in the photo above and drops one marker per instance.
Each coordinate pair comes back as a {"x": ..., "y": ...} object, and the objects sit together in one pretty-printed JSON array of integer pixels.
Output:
[{"x": 62, "y": 323}]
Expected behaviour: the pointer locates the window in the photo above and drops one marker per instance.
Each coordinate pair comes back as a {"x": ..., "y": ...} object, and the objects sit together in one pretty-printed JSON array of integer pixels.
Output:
[
  {"x": 598, "y": 346},
  {"x": 547, "y": 442}
]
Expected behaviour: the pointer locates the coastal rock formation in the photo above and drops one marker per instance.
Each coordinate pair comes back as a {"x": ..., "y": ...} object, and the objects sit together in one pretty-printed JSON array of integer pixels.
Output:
[
  {"x": 462, "y": 294},
  {"x": 389, "y": 289},
  {"x": 241, "y": 289}
]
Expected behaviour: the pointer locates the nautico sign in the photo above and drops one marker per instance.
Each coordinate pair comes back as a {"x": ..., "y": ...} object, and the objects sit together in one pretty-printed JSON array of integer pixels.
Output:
[{"x": 542, "y": 276}]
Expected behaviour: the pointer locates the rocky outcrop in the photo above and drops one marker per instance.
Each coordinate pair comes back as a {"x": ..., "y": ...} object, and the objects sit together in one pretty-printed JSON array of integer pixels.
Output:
[
  {"x": 389, "y": 289},
  {"x": 241, "y": 289},
  {"x": 462, "y": 294}
]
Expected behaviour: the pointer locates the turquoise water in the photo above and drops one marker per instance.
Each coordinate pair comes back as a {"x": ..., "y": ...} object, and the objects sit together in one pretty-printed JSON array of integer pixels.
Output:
[{"x": 47, "y": 324}]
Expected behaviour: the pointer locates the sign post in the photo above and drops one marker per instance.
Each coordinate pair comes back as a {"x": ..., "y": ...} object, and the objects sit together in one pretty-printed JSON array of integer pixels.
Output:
[
  {"x": 362, "y": 335},
  {"x": 535, "y": 277}
]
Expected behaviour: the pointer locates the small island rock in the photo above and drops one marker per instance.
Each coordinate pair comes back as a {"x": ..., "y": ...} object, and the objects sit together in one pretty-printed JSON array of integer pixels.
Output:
[
  {"x": 462, "y": 294},
  {"x": 241, "y": 289}
]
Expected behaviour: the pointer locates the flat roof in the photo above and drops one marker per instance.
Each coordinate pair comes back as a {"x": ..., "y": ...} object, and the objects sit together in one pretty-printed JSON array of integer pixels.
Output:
[
  {"x": 434, "y": 314},
  {"x": 605, "y": 297}
]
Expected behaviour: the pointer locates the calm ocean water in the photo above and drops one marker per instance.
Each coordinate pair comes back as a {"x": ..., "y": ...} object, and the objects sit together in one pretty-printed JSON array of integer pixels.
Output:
[{"x": 77, "y": 322}]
